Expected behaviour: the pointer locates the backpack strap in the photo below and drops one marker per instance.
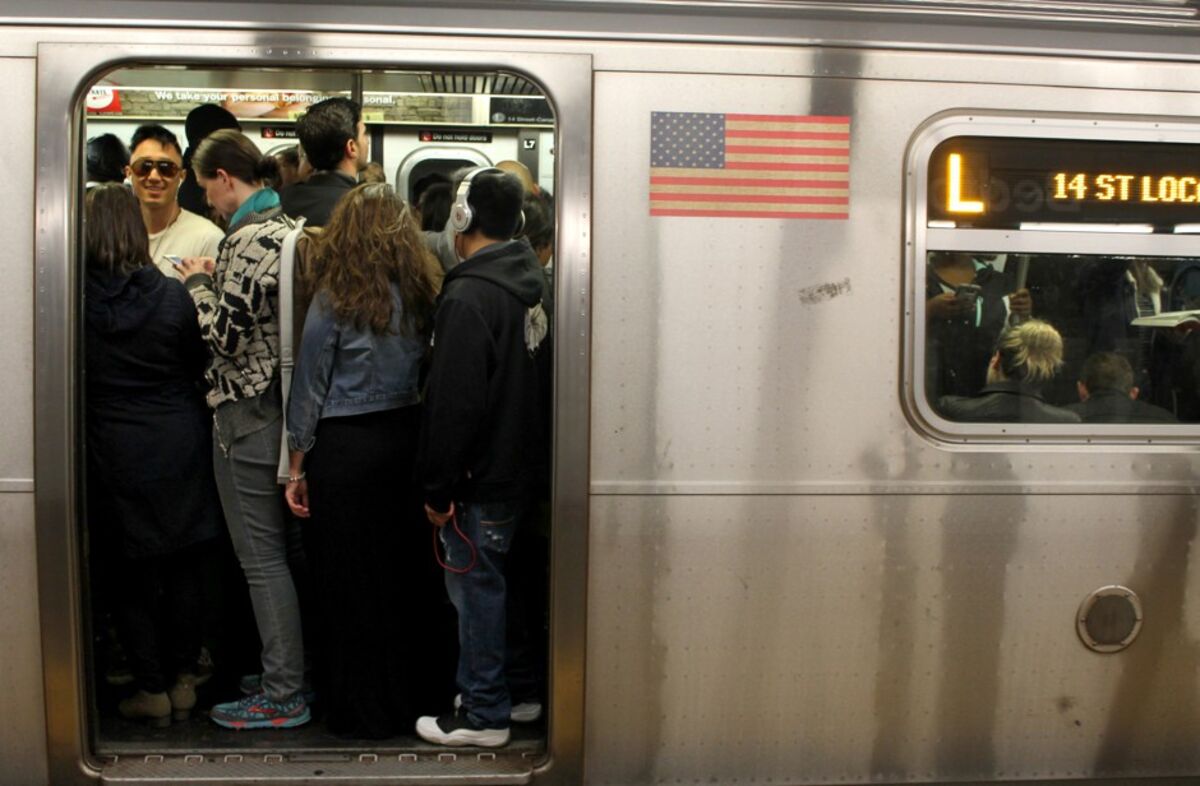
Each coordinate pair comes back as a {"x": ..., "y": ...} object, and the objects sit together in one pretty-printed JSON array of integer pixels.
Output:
[{"x": 287, "y": 352}]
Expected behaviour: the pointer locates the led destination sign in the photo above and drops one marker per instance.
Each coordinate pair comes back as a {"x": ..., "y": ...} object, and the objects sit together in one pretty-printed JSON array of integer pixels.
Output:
[
  {"x": 1004, "y": 182},
  {"x": 1111, "y": 187}
]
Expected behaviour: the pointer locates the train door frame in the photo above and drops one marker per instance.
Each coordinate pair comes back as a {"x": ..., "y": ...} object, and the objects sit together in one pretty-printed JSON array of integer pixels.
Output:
[{"x": 65, "y": 70}]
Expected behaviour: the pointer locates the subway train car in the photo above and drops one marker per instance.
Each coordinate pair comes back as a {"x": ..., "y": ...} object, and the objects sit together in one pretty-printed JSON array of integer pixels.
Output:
[{"x": 802, "y": 250}]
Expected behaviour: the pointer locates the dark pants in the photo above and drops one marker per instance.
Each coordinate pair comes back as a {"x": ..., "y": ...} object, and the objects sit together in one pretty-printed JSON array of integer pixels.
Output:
[
  {"x": 378, "y": 588},
  {"x": 160, "y": 612}
]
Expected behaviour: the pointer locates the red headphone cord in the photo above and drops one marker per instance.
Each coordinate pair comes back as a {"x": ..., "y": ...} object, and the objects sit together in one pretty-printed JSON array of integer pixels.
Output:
[{"x": 437, "y": 555}]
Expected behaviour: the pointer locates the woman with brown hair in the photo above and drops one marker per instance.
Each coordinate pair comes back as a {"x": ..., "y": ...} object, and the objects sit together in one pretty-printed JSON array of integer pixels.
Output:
[
  {"x": 237, "y": 302},
  {"x": 151, "y": 497},
  {"x": 352, "y": 421}
]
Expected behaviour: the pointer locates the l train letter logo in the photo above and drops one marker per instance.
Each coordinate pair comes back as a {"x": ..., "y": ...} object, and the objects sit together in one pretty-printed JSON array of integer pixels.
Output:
[{"x": 954, "y": 199}]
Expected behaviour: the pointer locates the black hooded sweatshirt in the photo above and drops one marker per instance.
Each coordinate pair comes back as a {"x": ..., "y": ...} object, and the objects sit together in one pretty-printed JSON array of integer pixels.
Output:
[
  {"x": 149, "y": 432},
  {"x": 483, "y": 431}
]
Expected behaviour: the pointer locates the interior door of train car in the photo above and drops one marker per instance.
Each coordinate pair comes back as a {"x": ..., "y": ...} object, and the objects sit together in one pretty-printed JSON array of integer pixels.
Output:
[{"x": 67, "y": 65}]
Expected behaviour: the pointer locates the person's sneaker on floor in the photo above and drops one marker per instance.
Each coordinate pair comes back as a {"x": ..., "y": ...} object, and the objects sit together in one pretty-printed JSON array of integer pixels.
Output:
[
  {"x": 260, "y": 712},
  {"x": 154, "y": 708},
  {"x": 183, "y": 696},
  {"x": 251, "y": 684},
  {"x": 458, "y": 730},
  {"x": 526, "y": 711},
  {"x": 521, "y": 712}
]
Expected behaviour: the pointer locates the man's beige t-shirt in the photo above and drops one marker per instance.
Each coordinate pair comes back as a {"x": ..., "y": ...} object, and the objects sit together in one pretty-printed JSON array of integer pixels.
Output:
[{"x": 189, "y": 235}]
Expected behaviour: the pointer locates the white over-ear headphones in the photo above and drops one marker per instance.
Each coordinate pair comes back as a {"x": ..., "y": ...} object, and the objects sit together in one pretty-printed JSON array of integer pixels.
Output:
[{"x": 461, "y": 215}]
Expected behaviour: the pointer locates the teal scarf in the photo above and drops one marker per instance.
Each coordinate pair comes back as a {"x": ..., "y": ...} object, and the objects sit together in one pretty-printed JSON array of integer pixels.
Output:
[{"x": 260, "y": 200}]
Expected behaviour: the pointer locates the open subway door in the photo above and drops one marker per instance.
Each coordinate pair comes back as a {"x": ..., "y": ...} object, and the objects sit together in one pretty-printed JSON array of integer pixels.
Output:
[{"x": 82, "y": 748}]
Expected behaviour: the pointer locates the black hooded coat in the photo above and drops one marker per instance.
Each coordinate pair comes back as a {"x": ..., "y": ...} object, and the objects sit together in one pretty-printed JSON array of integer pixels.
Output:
[{"x": 149, "y": 432}]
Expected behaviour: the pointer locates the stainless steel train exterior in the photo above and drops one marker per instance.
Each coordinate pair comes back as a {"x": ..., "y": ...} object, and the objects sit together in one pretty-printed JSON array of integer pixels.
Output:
[{"x": 771, "y": 564}]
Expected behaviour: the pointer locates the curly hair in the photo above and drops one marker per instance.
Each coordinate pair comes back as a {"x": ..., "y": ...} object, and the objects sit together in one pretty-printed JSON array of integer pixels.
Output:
[{"x": 371, "y": 241}]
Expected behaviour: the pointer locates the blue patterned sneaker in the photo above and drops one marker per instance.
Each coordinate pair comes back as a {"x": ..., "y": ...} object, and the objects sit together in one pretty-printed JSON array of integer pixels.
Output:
[
  {"x": 260, "y": 712},
  {"x": 251, "y": 684}
]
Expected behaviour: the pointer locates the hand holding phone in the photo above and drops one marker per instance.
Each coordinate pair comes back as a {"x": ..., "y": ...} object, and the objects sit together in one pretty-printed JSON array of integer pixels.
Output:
[{"x": 968, "y": 293}]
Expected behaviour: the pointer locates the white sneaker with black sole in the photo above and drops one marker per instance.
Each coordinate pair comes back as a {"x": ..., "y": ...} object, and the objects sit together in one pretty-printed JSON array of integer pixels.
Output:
[
  {"x": 457, "y": 730},
  {"x": 525, "y": 712}
]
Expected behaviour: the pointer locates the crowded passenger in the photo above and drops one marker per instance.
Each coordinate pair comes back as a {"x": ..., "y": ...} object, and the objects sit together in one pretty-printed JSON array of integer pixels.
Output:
[
  {"x": 968, "y": 304},
  {"x": 539, "y": 231},
  {"x": 200, "y": 122},
  {"x": 425, "y": 181},
  {"x": 336, "y": 144},
  {"x": 152, "y": 502},
  {"x": 107, "y": 158},
  {"x": 372, "y": 173},
  {"x": 236, "y": 299},
  {"x": 1113, "y": 293},
  {"x": 157, "y": 173},
  {"x": 289, "y": 167},
  {"x": 353, "y": 421},
  {"x": 434, "y": 206},
  {"x": 482, "y": 451},
  {"x": 1027, "y": 356},
  {"x": 1107, "y": 394},
  {"x": 522, "y": 173},
  {"x": 365, "y": 455}
]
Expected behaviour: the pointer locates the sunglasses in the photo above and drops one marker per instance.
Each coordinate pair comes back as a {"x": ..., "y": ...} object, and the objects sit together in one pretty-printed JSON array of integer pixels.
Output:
[{"x": 144, "y": 166}]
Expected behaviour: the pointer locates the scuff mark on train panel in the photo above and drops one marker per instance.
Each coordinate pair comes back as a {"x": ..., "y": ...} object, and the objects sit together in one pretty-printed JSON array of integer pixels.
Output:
[{"x": 822, "y": 292}]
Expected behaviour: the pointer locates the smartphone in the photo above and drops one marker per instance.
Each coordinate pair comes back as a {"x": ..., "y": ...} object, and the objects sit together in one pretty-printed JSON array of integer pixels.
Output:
[
  {"x": 968, "y": 292},
  {"x": 174, "y": 260}
]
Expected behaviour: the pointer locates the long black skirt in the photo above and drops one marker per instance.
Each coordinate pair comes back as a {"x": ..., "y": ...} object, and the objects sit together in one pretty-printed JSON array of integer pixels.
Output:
[{"x": 385, "y": 633}]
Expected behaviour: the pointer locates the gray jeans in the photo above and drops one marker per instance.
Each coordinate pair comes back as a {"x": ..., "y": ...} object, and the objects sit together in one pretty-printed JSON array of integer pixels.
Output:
[{"x": 254, "y": 512}]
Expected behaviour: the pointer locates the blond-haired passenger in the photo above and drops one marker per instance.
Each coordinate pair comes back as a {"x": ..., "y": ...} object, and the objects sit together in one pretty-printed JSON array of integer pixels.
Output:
[{"x": 1027, "y": 356}]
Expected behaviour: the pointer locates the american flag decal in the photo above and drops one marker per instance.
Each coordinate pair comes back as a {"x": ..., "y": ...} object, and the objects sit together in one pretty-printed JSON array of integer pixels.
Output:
[{"x": 749, "y": 166}]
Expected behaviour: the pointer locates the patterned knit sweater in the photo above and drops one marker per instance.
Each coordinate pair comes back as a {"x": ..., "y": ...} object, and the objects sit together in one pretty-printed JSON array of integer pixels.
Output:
[{"x": 238, "y": 308}]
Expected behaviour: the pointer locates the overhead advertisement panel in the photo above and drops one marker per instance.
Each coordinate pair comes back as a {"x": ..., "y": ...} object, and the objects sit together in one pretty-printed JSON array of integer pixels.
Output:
[{"x": 143, "y": 103}]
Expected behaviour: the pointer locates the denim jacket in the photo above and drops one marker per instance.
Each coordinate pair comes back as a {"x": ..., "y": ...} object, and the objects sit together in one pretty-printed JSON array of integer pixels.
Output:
[{"x": 341, "y": 370}]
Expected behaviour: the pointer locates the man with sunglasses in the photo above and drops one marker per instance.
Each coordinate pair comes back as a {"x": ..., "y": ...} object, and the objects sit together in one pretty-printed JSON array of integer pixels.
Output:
[{"x": 156, "y": 172}]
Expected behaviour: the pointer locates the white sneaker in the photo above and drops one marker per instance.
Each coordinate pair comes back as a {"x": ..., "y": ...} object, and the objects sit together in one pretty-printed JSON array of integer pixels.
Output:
[
  {"x": 457, "y": 730},
  {"x": 525, "y": 712}
]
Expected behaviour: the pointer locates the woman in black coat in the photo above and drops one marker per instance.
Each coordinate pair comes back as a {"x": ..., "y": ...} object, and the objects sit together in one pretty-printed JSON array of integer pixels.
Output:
[{"x": 151, "y": 496}]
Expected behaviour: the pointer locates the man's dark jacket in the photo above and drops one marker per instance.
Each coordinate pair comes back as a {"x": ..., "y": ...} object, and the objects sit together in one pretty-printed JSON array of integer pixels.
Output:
[
  {"x": 483, "y": 432},
  {"x": 1004, "y": 402},
  {"x": 1112, "y": 406},
  {"x": 315, "y": 198}
]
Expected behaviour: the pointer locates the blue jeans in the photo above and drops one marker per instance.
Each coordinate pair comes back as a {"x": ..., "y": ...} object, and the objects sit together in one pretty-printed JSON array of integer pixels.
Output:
[
  {"x": 254, "y": 514},
  {"x": 487, "y": 665}
]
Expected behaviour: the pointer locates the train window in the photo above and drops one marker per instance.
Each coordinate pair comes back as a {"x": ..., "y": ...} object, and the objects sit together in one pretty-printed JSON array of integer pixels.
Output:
[
  {"x": 1062, "y": 338},
  {"x": 1055, "y": 291},
  {"x": 176, "y": 624}
]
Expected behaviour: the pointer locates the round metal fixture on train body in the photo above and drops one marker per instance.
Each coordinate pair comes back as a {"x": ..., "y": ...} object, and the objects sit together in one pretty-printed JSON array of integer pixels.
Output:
[{"x": 1109, "y": 618}]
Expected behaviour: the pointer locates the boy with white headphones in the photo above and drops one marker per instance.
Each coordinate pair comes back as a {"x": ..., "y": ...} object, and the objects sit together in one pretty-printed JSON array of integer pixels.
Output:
[{"x": 483, "y": 446}]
